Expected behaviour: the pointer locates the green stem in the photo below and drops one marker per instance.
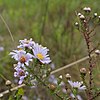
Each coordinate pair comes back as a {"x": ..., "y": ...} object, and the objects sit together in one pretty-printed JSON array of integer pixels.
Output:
[
  {"x": 84, "y": 82},
  {"x": 47, "y": 86},
  {"x": 3, "y": 77}
]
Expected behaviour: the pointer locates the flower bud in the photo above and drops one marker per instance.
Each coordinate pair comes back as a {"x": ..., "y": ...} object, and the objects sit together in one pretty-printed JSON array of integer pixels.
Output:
[
  {"x": 82, "y": 17},
  {"x": 97, "y": 52},
  {"x": 60, "y": 77},
  {"x": 8, "y": 83},
  {"x": 84, "y": 21},
  {"x": 79, "y": 14},
  {"x": 87, "y": 9},
  {"x": 64, "y": 90},
  {"x": 76, "y": 24},
  {"x": 15, "y": 65},
  {"x": 1, "y": 95},
  {"x": 49, "y": 69},
  {"x": 95, "y": 14},
  {"x": 83, "y": 71},
  {"x": 99, "y": 18},
  {"x": 52, "y": 87},
  {"x": 44, "y": 76},
  {"x": 68, "y": 76}
]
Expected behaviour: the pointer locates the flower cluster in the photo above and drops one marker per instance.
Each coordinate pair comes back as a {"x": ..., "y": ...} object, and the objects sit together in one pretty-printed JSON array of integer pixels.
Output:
[
  {"x": 26, "y": 43},
  {"x": 31, "y": 57},
  {"x": 61, "y": 87},
  {"x": 58, "y": 84},
  {"x": 27, "y": 52}
]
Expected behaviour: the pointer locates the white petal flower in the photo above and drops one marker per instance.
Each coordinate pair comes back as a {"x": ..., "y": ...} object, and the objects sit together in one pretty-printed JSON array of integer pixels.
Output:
[
  {"x": 21, "y": 74},
  {"x": 77, "y": 96},
  {"x": 22, "y": 57},
  {"x": 40, "y": 53},
  {"x": 52, "y": 79},
  {"x": 26, "y": 43},
  {"x": 78, "y": 85}
]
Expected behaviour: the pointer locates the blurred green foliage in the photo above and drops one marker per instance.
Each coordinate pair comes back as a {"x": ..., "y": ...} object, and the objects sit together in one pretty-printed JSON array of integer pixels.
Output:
[{"x": 49, "y": 22}]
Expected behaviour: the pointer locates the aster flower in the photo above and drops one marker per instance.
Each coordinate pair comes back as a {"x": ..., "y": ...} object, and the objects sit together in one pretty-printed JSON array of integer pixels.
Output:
[
  {"x": 22, "y": 57},
  {"x": 1, "y": 48},
  {"x": 52, "y": 65},
  {"x": 63, "y": 87},
  {"x": 52, "y": 79},
  {"x": 40, "y": 53},
  {"x": 77, "y": 96},
  {"x": 77, "y": 85},
  {"x": 21, "y": 74},
  {"x": 26, "y": 43},
  {"x": 62, "y": 84}
]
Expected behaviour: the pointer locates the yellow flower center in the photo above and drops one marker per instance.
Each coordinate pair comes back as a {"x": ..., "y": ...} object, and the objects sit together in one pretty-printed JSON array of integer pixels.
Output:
[
  {"x": 20, "y": 49},
  {"x": 40, "y": 56},
  {"x": 22, "y": 59},
  {"x": 21, "y": 73},
  {"x": 27, "y": 41}
]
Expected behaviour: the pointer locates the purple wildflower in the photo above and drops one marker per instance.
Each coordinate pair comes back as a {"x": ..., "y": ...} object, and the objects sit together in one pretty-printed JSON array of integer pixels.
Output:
[
  {"x": 26, "y": 43},
  {"x": 77, "y": 96},
  {"x": 21, "y": 74},
  {"x": 52, "y": 79},
  {"x": 22, "y": 57},
  {"x": 52, "y": 65},
  {"x": 40, "y": 53},
  {"x": 78, "y": 85},
  {"x": 1, "y": 48}
]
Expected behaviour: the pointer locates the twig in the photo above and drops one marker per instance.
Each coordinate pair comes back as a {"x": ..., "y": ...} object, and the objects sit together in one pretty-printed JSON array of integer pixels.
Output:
[
  {"x": 95, "y": 96},
  {"x": 71, "y": 64},
  {"x": 88, "y": 43},
  {"x": 7, "y": 27},
  {"x": 12, "y": 89}
]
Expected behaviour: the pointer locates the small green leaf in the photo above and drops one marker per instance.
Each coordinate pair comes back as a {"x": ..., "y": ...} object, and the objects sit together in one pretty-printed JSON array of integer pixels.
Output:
[
  {"x": 75, "y": 91},
  {"x": 10, "y": 98},
  {"x": 20, "y": 91}
]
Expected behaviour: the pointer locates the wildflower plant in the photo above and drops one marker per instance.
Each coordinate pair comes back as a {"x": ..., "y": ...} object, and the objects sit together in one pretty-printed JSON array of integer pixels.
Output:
[
  {"x": 32, "y": 59},
  {"x": 31, "y": 64},
  {"x": 27, "y": 56},
  {"x": 87, "y": 23}
]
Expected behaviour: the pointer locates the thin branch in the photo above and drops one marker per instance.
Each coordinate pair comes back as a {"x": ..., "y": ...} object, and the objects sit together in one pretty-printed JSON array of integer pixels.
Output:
[
  {"x": 12, "y": 89},
  {"x": 7, "y": 27},
  {"x": 71, "y": 64},
  {"x": 98, "y": 94}
]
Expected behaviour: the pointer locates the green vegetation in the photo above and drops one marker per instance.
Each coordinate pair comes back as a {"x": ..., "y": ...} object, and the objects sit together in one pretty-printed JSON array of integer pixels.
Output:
[{"x": 49, "y": 22}]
